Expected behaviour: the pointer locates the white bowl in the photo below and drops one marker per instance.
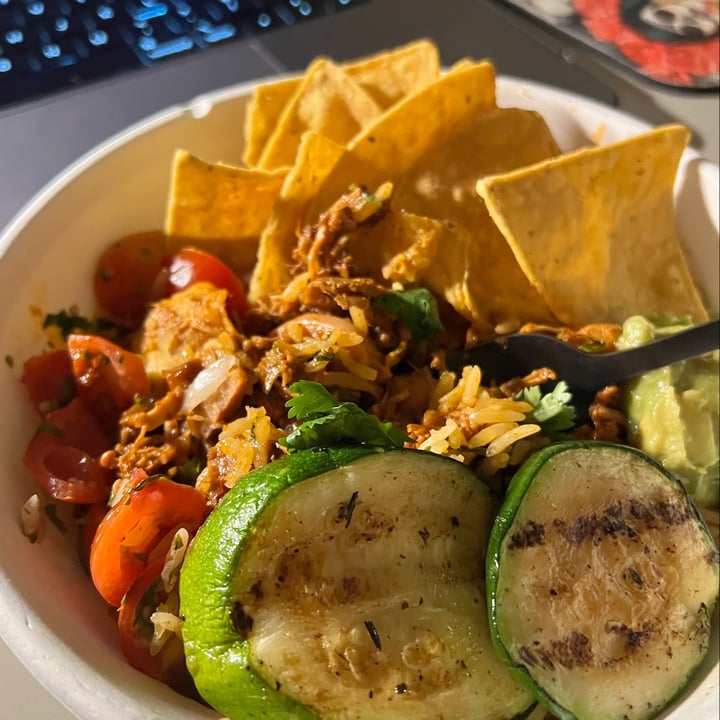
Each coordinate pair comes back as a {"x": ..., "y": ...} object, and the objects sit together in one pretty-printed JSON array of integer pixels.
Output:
[{"x": 51, "y": 617}]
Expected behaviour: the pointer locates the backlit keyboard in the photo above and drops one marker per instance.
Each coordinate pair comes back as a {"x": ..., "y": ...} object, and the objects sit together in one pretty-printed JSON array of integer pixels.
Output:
[{"x": 46, "y": 45}]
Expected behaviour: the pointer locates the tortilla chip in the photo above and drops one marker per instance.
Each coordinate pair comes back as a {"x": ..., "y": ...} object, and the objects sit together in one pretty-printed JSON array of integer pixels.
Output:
[
  {"x": 220, "y": 207},
  {"x": 264, "y": 109},
  {"x": 477, "y": 272},
  {"x": 386, "y": 77},
  {"x": 328, "y": 102},
  {"x": 389, "y": 148},
  {"x": 594, "y": 230},
  {"x": 461, "y": 64},
  {"x": 391, "y": 76},
  {"x": 316, "y": 157}
]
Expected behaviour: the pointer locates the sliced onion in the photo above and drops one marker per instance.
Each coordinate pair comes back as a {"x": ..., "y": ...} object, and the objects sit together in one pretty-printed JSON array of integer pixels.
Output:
[
  {"x": 165, "y": 625},
  {"x": 207, "y": 382},
  {"x": 320, "y": 326},
  {"x": 174, "y": 559},
  {"x": 32, "y": 518}
]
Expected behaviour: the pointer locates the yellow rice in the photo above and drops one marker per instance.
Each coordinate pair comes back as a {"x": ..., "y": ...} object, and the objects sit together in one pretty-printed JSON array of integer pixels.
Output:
[{"x": 474, "y": 423}]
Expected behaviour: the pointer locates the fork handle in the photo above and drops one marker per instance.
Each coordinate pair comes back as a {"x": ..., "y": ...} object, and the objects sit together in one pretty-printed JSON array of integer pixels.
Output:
[{"x": 627, "y": 364}]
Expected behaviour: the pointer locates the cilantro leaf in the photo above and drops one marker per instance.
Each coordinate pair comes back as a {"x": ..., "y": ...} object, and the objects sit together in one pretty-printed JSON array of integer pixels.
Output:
[
  {"x": 310, "y": 399},
  {"x": 68, "y": 324},
  {"x": 326, "y": 421},
  {"x": 417, "y": 309},
  {"x": 552, "y": 411}
]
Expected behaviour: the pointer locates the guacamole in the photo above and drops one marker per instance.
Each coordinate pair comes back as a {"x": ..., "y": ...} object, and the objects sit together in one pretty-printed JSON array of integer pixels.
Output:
[{"x": 673, "y": 412}]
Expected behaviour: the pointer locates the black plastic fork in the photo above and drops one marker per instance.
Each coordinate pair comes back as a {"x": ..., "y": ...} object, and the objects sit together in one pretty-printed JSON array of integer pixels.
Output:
[{"x": 585, "y": 373}]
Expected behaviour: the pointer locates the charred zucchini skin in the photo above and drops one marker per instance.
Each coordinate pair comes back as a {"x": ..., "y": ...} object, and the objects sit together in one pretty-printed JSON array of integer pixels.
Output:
[{"x": 516, "y": 492}]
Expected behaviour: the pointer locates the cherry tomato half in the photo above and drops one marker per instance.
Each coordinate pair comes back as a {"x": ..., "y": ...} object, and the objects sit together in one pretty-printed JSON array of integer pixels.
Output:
[
  {"x": 63, "y": 453},
  {"x": 190, "y": 265},
  {"x": 125, "y": 276},
  {"x": 138, "y": 529},
  {"x": 91, "y": 517},
  {"x": 107, "y": 376},
  {"x": 48, "y": 380}
]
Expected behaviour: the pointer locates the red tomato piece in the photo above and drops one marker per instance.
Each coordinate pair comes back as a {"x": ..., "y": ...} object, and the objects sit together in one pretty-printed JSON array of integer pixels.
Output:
[
  {"x": 48, "y": 379},
  {"x": 107, "y": 376},
  {"x": 77, "y": 426},
  {"x": 190, "y": 265},
  {"x": 125, "y": 276},
  {"x": 91, "y": 519},
  {"x": 130, "y": 535},
  {"x": 136, "y": 631},
  {"x": 62, "y": 456}
]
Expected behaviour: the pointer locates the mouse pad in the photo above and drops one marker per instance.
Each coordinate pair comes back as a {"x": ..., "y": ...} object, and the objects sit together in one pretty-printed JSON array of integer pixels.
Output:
[{"x": 671, "y": 42}]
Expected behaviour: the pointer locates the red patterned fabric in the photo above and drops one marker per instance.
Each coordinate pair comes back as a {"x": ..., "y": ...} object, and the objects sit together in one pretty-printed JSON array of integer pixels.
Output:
[{"x": 674, "y": 63}]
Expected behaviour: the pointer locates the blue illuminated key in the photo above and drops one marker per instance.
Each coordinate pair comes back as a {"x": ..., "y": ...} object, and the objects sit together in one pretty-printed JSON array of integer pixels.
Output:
[
  {"x": 105, "y": 12},
  {"x": 143, "y": 14},
  {"x": 171, "y": 47},
  {"x": 35, "y": 8},
  {"x": 14, "y": 37},
  {"x": 98, "y": 38},
  {"x": 221, "y": 32},
  {"x": 51, "y": 51}
]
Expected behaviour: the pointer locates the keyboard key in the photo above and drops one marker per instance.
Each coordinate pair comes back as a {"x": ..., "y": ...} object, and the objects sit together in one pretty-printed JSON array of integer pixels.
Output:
[
  {"x": 285, "y": 14},
  {"x": 171, "y": 47},
  {"x": 101, "y": 42},
  {"x": 51, "y": 51},
  {"x": 14, "y": 37},
  {"x": 35, "y": 8},
  {"x": 141, "y": 14},
  {"x": 146, "y": 44},
  {"x": 105, "y": 12},
  {"x": 182, "y": 9},
  {"x": 215, "y": 12},
  {"x": 175, "y": 24},
  {"x": 220, "y": 33},
  {"x": 98, "y": 38}
]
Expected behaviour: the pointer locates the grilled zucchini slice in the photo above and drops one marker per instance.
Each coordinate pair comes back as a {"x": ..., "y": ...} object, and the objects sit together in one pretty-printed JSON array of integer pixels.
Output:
[
  {"x": 347, "y": 583},
  {"x": 602, "y": 578}
]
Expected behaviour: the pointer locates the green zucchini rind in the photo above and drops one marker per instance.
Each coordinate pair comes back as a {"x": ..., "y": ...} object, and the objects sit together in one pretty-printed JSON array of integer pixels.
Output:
[
  {"x": 347, "y": 583},
  {"x": 602, "y": 578}
]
